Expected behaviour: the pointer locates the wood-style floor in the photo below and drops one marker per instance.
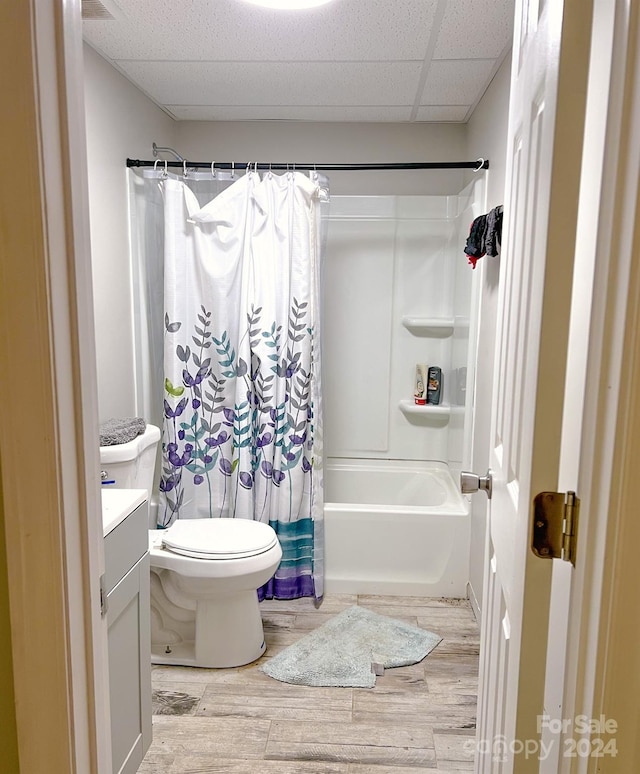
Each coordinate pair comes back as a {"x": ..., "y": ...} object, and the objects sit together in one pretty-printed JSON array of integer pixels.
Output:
[{"x": 419, "y": 718}]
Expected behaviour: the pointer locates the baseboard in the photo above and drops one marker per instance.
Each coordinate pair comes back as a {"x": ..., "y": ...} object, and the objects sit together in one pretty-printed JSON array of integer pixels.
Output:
[{"x": 474, "y": 602}]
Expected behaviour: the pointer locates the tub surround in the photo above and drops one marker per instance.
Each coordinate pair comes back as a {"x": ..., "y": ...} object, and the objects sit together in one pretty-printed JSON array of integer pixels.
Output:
[{"x": 398, "y": 292}]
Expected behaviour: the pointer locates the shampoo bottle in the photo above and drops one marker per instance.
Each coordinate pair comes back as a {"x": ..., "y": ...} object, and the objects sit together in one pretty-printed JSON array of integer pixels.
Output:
[{"x": 434, "y": 386}]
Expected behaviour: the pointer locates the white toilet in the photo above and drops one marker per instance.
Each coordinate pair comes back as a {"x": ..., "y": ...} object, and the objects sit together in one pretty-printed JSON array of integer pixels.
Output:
[{"x": 204, "y": 574}]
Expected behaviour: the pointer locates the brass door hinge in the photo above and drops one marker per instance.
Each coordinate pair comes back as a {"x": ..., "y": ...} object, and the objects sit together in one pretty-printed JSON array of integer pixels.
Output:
[{"x": 554, "y": 532}]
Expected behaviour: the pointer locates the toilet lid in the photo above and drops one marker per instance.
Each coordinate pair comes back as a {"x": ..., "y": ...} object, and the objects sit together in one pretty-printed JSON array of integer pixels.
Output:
[{"x": 219, "y": 538}]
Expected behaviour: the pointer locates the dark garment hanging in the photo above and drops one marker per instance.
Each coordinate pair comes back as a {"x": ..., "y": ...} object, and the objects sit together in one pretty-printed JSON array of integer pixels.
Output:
[
  {"x": 493, "y": 236},
  {"x": 485, "y": 236}
]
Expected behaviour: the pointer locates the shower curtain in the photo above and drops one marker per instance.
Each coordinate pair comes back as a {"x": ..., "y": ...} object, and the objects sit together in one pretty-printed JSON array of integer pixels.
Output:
[{"x": 242, "y": 401}]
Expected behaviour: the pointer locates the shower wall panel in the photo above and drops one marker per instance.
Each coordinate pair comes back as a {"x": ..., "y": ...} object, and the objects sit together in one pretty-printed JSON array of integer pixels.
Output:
[
  {"x": 357, "y": 333},
  {"x": 390, "y": 260}
]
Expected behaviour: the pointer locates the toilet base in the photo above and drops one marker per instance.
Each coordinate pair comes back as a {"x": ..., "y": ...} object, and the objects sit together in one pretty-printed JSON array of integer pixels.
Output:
[{"x": 228, "y": 631}]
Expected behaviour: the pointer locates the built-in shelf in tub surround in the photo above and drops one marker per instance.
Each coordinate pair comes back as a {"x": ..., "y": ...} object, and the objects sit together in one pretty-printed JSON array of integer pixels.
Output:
[
  {"x": 429, "y": 326},
  {"x": 410, "y": 407}
]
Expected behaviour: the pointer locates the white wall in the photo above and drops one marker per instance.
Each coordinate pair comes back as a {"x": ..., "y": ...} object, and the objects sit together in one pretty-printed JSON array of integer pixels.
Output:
[
  {"x": 487, "y": 137},
  {"x": 121, "y": 123},
  {"x": 353, "y": 143}
]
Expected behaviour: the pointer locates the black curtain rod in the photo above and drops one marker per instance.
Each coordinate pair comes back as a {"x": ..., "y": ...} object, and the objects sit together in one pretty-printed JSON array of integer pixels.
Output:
[{"x": 475, "y": 165}]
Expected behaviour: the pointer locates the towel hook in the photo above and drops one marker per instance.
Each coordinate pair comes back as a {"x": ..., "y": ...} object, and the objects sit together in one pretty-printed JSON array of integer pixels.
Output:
[{"x": 480, "y": 163}]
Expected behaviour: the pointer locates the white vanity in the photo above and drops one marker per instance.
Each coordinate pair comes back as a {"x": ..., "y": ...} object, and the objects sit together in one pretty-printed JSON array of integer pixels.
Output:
[{"x": 126, "y": 589}]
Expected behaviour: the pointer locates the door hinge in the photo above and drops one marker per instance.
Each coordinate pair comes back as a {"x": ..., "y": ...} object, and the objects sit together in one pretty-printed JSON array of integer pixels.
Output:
[
  {"x": 554, "y": 533},
  {"x": 104, "y": 602}
]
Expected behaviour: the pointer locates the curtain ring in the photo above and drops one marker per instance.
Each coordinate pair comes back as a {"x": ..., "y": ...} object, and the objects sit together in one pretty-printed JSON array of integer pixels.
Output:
[
  {"x": 184, "y": 169},
  {"x": 480, "y": 162},
  {"x": 233, "y": 169},
  {"x": 213, "y": 170},
  {"x": 155, "y": 165}
]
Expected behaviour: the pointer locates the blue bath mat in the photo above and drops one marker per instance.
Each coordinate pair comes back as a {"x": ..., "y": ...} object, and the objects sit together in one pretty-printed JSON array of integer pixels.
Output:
[{"x": 342, "y": 651}]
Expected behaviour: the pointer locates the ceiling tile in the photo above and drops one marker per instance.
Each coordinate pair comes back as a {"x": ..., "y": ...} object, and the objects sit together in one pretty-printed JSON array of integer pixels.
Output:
[
  {"x": 290, "y": 113},
  {"x": 233, "y": 30},
  {"x": 456, "y": 82},
  {"x": 442, "y": 113},
  {"x": 351, "y": 60},
  {"x": 282, "y": 83},
  {"x": 475, "y": 29}
]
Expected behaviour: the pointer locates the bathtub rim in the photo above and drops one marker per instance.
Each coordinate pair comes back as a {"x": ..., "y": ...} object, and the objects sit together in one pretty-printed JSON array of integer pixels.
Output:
[{"x": 455, "y": 505}]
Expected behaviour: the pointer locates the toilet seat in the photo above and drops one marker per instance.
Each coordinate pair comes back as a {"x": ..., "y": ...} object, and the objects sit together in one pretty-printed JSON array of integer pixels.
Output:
[{"x": 219, "y": 538}]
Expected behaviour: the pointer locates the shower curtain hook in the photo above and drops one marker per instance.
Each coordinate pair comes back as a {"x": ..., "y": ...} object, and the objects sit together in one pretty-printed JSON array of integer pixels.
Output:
[
  {"x": 166, "y": 172},
  {"x": 480, "y": 163},
  {"x": 213, "y": 170},
  {"x": 233, "y": 169},
  {"x": 184, "y": 169},
  {"x": 155, "y": 166}
]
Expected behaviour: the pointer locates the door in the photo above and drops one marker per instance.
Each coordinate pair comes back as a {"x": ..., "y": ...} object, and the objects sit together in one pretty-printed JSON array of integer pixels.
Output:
[{"x": 546, "y": 121}]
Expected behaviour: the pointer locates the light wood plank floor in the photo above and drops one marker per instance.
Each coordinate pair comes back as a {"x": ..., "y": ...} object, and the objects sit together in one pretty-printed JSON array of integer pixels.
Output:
[{"x": 419, "y": 718}]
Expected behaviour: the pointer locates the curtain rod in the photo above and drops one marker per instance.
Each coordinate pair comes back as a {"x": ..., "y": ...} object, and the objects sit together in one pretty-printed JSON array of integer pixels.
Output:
[{"x": 476, "y": 166}]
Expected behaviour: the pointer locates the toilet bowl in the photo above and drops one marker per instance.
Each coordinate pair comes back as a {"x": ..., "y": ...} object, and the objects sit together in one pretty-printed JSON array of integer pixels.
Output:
[
  {"x": 204, "y": 579},
  {"x": 204, "y": 572}
]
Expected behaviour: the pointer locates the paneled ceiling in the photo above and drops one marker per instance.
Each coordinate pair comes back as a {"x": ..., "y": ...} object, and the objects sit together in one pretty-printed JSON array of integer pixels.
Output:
[{"x": 351, "y": 60}]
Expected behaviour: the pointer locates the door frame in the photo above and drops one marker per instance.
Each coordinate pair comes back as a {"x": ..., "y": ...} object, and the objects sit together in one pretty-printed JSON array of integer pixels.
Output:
[
  {"x": 603, "y": 663},
  {"x": 49, "y": 433}
]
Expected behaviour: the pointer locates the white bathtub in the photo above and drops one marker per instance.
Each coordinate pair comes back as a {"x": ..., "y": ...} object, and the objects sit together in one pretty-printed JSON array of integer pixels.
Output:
[{"x": 394, "y": 527}]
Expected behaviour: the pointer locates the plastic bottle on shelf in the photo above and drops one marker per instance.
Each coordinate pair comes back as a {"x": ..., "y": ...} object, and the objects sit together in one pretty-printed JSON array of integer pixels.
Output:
[
  {"x": 434, "y": 386},
  {"x": 420, "y": 391}
]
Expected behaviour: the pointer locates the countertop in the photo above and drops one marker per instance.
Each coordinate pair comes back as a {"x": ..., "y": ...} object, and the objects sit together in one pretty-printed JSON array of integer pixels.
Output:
[{"x": 117, "y": 504}]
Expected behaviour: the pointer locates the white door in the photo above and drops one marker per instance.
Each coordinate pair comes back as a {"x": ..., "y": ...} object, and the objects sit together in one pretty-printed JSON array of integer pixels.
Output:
[{"x": 549, "y": 78}]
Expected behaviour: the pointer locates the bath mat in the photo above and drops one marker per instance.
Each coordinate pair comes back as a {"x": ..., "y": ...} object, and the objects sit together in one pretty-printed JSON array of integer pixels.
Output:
[{"x": 342, "y": 651}]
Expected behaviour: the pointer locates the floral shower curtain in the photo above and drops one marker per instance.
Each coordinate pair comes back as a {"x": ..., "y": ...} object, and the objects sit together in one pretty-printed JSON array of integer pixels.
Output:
[{"x": 242, "y": 433}]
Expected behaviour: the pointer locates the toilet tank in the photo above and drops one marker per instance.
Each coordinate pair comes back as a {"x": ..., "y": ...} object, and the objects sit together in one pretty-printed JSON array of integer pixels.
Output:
[{"x": 131, "y": 465}]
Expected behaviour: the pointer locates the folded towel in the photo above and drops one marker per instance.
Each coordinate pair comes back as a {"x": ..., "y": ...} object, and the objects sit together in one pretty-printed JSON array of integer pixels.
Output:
[{"x": 115, "y": 431}]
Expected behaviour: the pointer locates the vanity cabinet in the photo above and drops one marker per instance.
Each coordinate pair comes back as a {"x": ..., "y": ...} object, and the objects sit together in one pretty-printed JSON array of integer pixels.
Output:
[{"x": 127, "y": 609}]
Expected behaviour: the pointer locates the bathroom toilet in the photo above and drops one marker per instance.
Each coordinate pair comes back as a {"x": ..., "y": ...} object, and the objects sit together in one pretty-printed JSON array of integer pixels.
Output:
[
  {"x": 204, "y": 579},
  {"x": 204, "y": 572}
]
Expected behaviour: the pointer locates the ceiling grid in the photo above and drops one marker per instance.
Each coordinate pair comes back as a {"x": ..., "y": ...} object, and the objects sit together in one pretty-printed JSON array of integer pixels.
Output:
[{"x": 351, "y": 60}]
